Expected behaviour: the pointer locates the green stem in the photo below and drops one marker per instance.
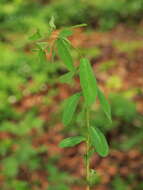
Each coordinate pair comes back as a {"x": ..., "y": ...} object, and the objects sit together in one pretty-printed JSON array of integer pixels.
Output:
[{"x": 87, "y": 150}]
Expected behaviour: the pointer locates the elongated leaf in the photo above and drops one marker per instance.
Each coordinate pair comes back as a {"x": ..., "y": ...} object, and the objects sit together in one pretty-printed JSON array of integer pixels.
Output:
[
  {"x": 87, "y": 81},
  {"x": 104, "y": 104},
  {"x": 65, "y": 33},
  {"x": 70, "y": 107},
  {"x": 66, "y": 78},
  {"x": 98, "y": 140},
  {"x": 71, "y": 141},
  {"x": 64, "y": 54}
]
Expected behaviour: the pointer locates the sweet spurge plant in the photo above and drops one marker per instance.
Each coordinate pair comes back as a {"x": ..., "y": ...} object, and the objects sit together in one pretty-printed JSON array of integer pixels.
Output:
[{"x": 93, "y": 137}]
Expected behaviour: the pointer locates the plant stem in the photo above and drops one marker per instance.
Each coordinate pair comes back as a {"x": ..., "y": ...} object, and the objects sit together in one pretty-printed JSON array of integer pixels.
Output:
[{"x": 87, "y": 150}]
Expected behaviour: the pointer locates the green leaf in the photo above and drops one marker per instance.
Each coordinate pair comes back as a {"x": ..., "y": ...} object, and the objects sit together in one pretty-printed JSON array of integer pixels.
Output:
[
  {"x": 87, "y": 81},
  {"x": 42, "y": 56},
  {"x": 98, "y": 140},
  {"x": 65, "y": 33},
  {"x": 104, "y": 104},
  {"x": 64, "y": 54},
  {"x": 70, "y": 107},
  {"x": 66, "y": 78},
  {"x": 71, "y": 141},
  {"x": 52, "y": 23},
  {"x": 35, "y": 36}
]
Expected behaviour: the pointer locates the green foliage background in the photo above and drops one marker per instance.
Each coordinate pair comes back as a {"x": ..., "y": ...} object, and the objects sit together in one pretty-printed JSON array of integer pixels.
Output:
[{"x": 19, "y": 66}]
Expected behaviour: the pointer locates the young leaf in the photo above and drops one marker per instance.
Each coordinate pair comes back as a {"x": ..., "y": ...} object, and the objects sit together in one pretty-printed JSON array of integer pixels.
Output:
[
  {"x": 104, "y": 104},
  {"x": 52, "y": 23},
  {"x": 70, "y": 107},
  {"x": 64, "y": 54},
  {"x": 66, "y": 78},
  {"x": 35, "y": 36},
  {"x": 87, "y": 81},
  {"x": 65, "y": 33},
  {"x": 98, "y": 140},
  {"x": 71, "y": 141}
]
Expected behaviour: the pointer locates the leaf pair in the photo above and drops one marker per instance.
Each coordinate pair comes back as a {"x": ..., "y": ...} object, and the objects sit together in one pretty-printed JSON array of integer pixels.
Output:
[
  {"x": 97, "y": 139},
  {"x": 90, "y": 91}
]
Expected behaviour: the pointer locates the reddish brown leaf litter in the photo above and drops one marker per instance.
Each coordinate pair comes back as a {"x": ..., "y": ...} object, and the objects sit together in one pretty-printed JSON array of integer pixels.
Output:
[{"x": 117, "y": 163}]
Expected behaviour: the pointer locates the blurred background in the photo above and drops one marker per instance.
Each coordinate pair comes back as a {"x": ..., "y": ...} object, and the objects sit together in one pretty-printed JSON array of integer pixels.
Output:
[{"x": 31, "y": 96}]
